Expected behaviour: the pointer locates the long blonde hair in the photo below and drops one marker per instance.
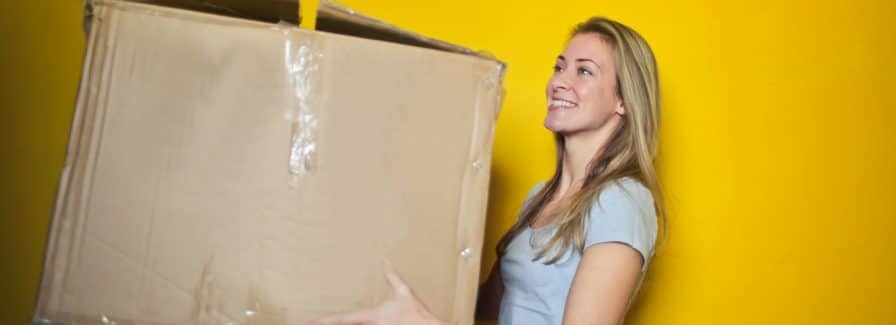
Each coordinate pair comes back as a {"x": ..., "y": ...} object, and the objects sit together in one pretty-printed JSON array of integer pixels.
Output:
[{"x": 630, "y": 152}]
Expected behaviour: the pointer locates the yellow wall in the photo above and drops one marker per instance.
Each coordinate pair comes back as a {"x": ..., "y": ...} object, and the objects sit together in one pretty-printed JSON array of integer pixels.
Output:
[
  {"x": 41, "y": 43},
  {"x": 778, "y": 157}
]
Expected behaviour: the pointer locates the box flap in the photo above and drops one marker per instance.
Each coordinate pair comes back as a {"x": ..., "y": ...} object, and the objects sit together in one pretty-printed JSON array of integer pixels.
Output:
[
  {"x": 335, "y": 18},
  {"x": 261, "y": 10},
  {"x": 330, "y": 17}
]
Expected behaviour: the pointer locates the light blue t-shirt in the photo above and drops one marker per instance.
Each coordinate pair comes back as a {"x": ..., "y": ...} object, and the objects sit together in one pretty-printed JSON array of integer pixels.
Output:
[{"x": 535, "y": 293}]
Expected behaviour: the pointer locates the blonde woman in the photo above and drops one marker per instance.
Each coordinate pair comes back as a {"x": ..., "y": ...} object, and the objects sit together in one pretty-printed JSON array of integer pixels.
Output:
[{"x": 584, "y": 238}]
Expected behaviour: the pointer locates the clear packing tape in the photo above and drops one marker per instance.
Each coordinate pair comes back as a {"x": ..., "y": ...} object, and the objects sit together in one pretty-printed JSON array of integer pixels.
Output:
[
  {"x": 223, "y": 171},
  {"x": 301, "y": 66}
]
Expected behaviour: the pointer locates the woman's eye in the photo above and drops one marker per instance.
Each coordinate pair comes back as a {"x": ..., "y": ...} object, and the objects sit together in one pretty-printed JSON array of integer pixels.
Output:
[
  {"x": 557, "y": 68},
  {"x": 585, "y": 71}
]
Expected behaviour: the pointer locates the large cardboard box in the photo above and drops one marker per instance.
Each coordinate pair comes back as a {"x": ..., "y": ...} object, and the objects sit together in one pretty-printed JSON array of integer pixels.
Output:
[{"x": 225, "y": 168}]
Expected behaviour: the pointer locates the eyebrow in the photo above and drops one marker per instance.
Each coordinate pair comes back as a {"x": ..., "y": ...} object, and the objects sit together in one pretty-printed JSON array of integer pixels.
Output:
[{"x": 560, "y": 57}]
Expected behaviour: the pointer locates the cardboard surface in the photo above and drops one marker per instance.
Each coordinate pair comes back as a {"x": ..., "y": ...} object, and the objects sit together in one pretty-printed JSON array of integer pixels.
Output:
[{"x": 177, "y": 205}]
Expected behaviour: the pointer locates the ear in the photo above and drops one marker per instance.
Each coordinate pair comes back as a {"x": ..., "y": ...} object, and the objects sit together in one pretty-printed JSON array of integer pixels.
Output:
[{"x": 620, "y": 107}]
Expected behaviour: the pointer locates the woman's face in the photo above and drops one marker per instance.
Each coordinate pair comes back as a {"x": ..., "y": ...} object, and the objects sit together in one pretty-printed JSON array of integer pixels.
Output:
[{"x": 582, "y": 93}]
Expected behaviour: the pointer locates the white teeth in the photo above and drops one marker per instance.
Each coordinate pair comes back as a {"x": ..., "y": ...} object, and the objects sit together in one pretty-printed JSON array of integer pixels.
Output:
[{"x": 561, "y": 103}]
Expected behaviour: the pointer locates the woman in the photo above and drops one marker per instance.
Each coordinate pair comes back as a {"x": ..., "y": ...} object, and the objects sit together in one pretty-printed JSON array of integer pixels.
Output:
[{"x": 585, "y": 237}]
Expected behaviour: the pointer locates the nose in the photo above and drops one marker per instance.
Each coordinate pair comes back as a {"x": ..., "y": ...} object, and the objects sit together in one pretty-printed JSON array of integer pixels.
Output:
[{"x": 559, "y": 82}]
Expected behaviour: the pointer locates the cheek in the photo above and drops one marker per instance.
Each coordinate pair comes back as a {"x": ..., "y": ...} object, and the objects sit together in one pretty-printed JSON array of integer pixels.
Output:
[
  {"x": 596, "y": 99},
  {"x": 598, "y": 104},
  {"x": 586, "y": 94}
]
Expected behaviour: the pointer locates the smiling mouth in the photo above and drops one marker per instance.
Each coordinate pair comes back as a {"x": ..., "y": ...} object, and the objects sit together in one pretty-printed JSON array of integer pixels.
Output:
[{"x": 556, "y": 104}]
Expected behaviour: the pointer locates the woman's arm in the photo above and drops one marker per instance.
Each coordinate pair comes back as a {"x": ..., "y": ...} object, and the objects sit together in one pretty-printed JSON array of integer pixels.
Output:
[
  {"x": 488, "y": 302},
  {"x": 604, "y": 282}
]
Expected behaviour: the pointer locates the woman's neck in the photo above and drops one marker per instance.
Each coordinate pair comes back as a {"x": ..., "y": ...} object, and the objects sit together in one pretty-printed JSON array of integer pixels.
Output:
[{"x": 579, "y": 149}]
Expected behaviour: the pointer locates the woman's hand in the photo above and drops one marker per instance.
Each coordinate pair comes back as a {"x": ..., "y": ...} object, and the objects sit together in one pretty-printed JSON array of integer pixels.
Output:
[{"x": 399, "y": 309}]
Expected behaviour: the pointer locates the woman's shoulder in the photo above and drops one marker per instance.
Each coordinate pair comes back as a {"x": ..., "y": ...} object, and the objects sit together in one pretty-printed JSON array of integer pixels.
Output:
[
  {"x": 625, "y": 200},
  {"x": 625, "y": 189},
  {"x": 534, "y": 189}
]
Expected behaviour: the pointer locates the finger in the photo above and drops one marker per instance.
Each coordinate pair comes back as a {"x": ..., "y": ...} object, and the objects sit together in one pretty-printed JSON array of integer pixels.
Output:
[
  {"x": 358, "y": 317},
  {"x": 398, "y": 286}
]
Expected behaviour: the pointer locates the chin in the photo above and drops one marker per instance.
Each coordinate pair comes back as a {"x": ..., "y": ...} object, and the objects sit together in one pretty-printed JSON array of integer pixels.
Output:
[{"x": 555, "y": 126}]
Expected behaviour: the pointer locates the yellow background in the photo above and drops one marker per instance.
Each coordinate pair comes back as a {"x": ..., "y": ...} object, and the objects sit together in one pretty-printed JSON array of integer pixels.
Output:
[{"x": 777, "y": 159}]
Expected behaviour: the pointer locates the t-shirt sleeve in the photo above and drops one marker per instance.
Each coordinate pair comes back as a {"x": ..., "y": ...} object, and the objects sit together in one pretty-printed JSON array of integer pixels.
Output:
[{"x": 624, "y": 214}]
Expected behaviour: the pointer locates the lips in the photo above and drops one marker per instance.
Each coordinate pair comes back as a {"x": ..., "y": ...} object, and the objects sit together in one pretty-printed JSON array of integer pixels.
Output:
[{"x": 556, "y": 103}]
